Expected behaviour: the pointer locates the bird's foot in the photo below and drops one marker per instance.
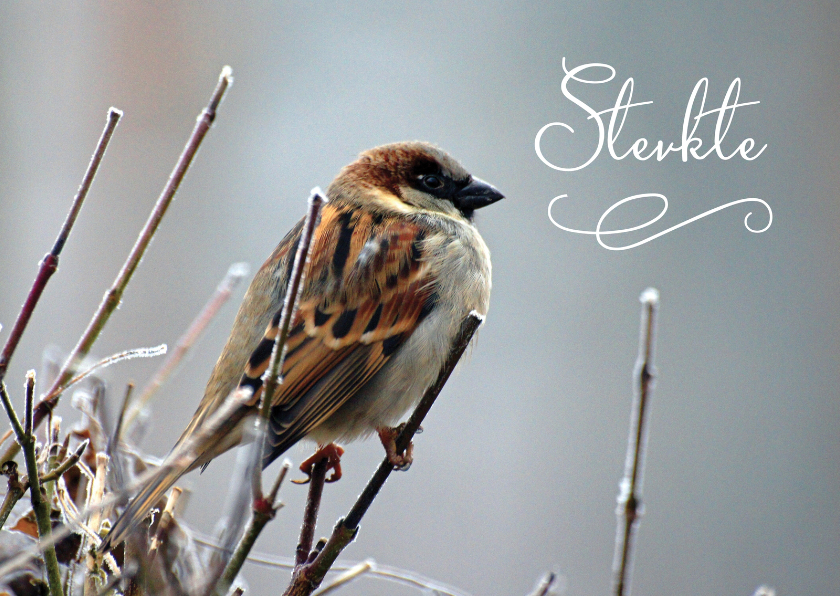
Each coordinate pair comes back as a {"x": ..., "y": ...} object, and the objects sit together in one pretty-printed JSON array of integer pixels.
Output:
[
  {"x": 332, "y": 453},
  {"x": 400, "y": 461}
]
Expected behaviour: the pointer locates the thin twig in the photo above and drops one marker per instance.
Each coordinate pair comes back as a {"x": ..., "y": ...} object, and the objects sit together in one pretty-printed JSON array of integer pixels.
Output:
[
  {"x": 165, "y": 521},
  {"x": 278, "y": 353},
  {"x": 629, "y": 508},
  {"x": 318, "y": 475},
  {"x": 29, "y": 402},
  {"x": 108, "y": 361},
  {"x": 348, "y": 576},
  {"x": 262, "y": 513},
  {"x": 114, "y": 439},
  {"x": 382, "y": 572},
  {"x": 39, "y": 505},
  {"x": 49, "y": 264},
  {"x": 67, "y": 463},
  {"x": 97, "y": 494},
  {"x": 234, "y": 275},
  {"x": 16, "y": 489},
  {"x": 545, "y": 584},
  {"x": 10, "y": 411},
  {"x": 113, "y": 296},
  {"x": 309, "y": 576},
  {"x": 264, "y": 509}
]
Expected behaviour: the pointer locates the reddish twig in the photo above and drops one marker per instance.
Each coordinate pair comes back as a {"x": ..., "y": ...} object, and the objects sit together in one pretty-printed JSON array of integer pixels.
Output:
[
  {"x": 629, "y": 499},
  {"x": 113, "y": 296},
  {"x": 49, "y": 264},
  {"x": 318, "y": 475}
]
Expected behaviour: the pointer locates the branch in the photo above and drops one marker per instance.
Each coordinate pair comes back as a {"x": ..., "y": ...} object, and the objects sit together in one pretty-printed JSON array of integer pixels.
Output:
[
  {"x": 629, "y": 508},
  {"x": 308, "y": 577},
  {"x": 39, "y": 505},
  {"x": 545, "y": 584},
  {"x": 165, "y": 522},
  {"x": 351, "y": 574},
  {"x": 49, "y": 264},
  {"x": 113, "y": 296},
  {"x": 264, "y": 509},
  {"x": 275, "y": 367},
  {"x": 318, "y": 475},
  {"x": 221, "y": 295},
  {"x": 263, "y": 512},
  {"x": 93, "y": 561},
  {"x": 14, "y": 492},
  {"x": 105, "y": 362}
]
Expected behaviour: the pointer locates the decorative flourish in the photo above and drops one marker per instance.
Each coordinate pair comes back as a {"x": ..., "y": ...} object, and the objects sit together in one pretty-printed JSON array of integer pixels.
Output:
[{"x": 598, "y": 232}]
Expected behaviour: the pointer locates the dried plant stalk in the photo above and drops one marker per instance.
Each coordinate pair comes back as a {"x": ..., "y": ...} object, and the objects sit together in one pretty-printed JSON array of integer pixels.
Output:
[{"x": 629, "y": 499}]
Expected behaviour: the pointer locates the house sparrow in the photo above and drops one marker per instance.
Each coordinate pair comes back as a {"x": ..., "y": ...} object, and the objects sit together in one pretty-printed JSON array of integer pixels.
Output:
[{"x": 395, "y": 266}]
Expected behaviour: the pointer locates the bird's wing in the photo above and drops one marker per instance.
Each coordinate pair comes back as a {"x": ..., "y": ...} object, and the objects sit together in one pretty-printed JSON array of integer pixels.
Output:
[{"x": 367, "y": 287}]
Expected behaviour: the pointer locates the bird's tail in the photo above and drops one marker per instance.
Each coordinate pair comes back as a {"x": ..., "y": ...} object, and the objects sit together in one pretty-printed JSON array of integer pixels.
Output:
[{"x": 139, "y": 508}]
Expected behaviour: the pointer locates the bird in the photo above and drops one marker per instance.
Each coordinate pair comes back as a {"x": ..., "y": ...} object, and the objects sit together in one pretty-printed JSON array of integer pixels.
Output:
[{"x": 395, "y": 266}]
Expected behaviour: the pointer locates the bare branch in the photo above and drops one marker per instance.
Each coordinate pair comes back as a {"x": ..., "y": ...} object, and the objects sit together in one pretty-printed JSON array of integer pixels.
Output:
[
  {"x": 309, "y": 576},
  {"x": 263, "y": 512},
  {"x": 14, "y": 492},
  {"x": 234, "y": 275},
  {"x": 113, "y": 296},
  {"x": 66, "y": 464},
  {"x": 112, "y": 359},
  {"x": 114, "y": 439},
  {"x": 351, "y": 574},
  {"x": 49, "y": 264},
  {"x": 165, "y": 521},
  {"x": 29, "y": 402},
  {"x": 629, "y": 508},
  {"x": 272, "y": 376},
  {"x": 381, "y": 572},
  {"x": 20, "y": 434},
  {"x": 40, "y": 506},
  {"x": 544, "y": 586},
  {"x": 317, "y": 478}
]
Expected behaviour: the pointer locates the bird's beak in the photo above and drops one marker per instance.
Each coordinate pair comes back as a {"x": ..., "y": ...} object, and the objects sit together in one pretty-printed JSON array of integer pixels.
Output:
[{"x": 475, "y": 195}]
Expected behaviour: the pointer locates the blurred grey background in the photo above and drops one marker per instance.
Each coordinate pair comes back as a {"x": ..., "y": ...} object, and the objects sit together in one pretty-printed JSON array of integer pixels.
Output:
[{"x": 517, "y": 471}]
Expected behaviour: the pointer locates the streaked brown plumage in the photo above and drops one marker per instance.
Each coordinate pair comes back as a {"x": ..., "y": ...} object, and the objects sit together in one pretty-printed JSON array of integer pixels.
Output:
[{"x": 395, "y": 266}]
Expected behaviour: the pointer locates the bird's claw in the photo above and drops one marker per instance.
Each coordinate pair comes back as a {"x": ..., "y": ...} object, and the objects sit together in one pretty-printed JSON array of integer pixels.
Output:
[
  {"x": 400, "y": 461},
  {"x": 332, "y": 453}
]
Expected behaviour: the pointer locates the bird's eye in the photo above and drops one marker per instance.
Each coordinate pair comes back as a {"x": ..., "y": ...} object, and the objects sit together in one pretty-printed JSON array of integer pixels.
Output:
[{"x": 433, "y": 182}]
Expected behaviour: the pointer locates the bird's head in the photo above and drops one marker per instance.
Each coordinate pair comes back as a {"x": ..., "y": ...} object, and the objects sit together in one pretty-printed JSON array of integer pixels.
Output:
[{"x": 411, "y": 177}]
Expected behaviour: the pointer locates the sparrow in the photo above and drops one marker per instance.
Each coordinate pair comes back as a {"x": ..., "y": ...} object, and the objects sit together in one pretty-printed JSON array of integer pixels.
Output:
[{"x": 395, "y": 266}]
